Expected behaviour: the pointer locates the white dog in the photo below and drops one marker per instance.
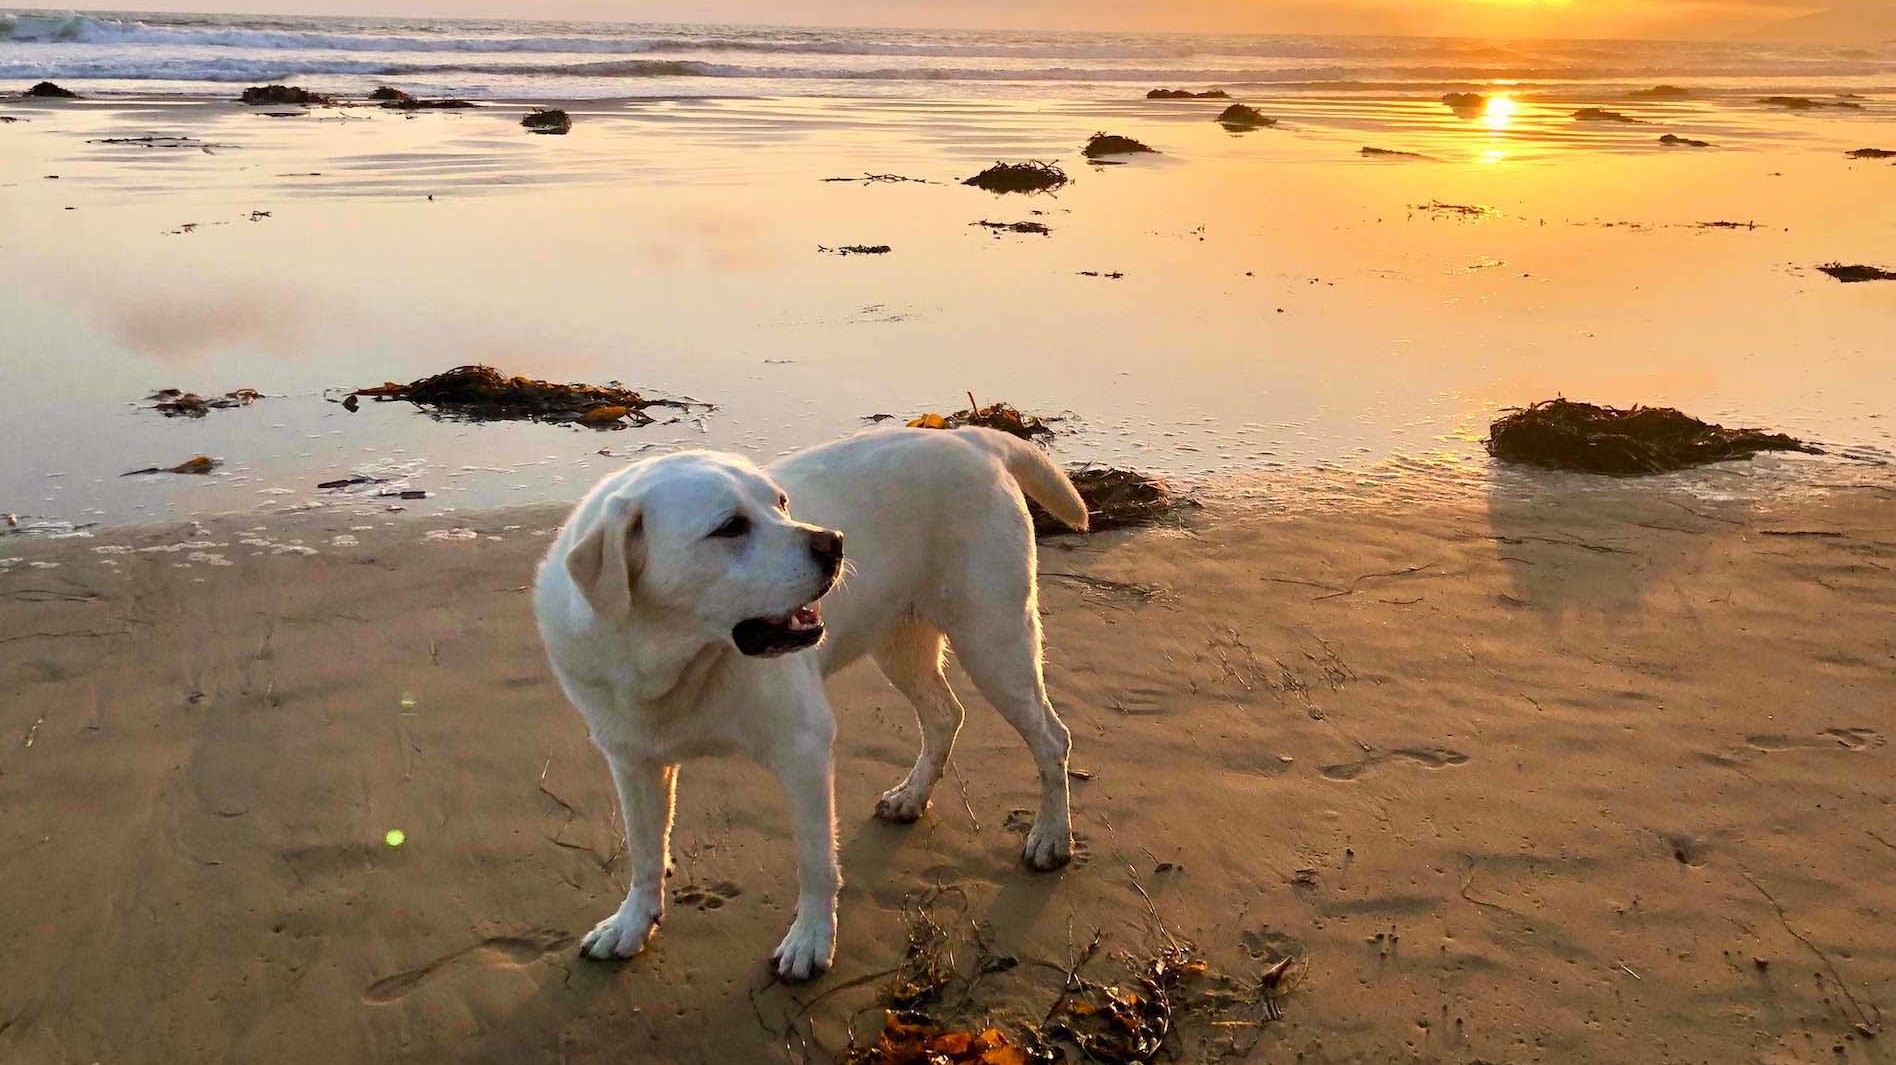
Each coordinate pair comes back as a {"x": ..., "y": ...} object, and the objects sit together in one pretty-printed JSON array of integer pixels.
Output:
[{"x": 679, "y": 611}]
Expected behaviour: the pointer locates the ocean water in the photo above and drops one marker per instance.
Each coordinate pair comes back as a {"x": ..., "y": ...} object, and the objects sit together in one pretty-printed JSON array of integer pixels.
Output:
[{"x": 203, "y": 55}]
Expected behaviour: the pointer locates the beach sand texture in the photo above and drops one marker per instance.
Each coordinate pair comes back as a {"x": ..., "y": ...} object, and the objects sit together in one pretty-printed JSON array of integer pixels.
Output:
[{"x": 1563, "y": 775}]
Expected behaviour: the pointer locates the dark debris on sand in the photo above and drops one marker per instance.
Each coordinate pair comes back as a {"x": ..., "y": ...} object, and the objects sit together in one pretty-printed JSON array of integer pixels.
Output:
[
  {"x": 388, "y": 92},
  {"x": 1601, "y": 114},
  {"x": 1562, "y": 434},
  {"x": 1872, "y": 153},
  {"x": 1001, "y": 416},
  {"x": 1113, "y": 144},
  {"x": 1805, "y": 103},
  {"x": 547, "y": 120},
  {"x": 883, "y": 179},
  {"x": 46, "y": 90},
  {"x": 415, "y": 103},
  {"x": 1115, "y": 499},
  {"x": 1463, "y": 210},
  {"x": 176, "y": 403},
  {"x": 1239, "y": 117},
  {"x": 283, "y": 95},
  {"x": 1389, "y": 153},
  {"x": 1167, "y": 1004},
  {"x": 1014, "y": 227},
  {"x": 856, "y": 249},
  {"x": 1187, "y": 94},
  {"x": 484, "y": 394},
  {"x": 1661, "y": 92},
  {"x": 1031, "y": 176},
  {"x": 1851, "y": 273},
  {"x": 1673, "y": 140},
  {"x": 196, "y": 465}
]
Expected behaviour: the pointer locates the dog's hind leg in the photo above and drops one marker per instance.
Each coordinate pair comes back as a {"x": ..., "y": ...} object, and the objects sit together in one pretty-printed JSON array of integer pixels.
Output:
[
  {"x": 911, "y": 659},
  {"x": 999, "y": 646}
]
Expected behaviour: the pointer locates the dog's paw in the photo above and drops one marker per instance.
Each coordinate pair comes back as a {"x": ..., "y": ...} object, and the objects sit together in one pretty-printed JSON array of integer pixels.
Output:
[
  {"x": 902, "y": 804},
  {"x": 1048, "y": 847},
  {"x": 622, "y": 935},
  {"x": 807, "y": 950}
]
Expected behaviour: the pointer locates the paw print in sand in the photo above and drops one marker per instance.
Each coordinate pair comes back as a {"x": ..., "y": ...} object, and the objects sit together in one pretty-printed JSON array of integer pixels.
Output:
[{"x": 706, "y": 896}]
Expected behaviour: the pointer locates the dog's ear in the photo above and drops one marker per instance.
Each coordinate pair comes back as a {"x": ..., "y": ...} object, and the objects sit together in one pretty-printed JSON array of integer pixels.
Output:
[{"x": 605, "y": 562}]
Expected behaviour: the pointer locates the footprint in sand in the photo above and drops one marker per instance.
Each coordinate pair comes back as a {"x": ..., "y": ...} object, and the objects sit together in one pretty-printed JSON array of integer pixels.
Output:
[
  {"x": 706, "y": 896},
  {"x": 500, "y": 952},
  {"x": 1428, "y": 757},
  {"x": 1849, "y": 739}
]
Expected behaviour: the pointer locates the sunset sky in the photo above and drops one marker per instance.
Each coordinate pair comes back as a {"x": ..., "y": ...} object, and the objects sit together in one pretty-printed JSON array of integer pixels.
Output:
[{"x": 1840, "y": 19}]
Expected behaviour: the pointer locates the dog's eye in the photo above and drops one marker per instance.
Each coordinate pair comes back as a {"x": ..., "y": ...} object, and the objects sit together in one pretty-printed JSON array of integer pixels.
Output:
[{"x": 736, "y": 525}]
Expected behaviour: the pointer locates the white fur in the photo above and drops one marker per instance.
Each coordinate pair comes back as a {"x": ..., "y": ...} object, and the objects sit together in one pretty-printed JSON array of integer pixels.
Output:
[{"x": 636, "y": 603}]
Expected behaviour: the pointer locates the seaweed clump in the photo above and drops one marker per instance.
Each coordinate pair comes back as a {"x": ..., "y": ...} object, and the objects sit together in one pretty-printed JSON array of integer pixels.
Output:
[
  {"x": 1239, "y": 117},
  {"x": 1015, "y": 227},
  {"x": 1851, "y": 273},
  {"x": 1673, "y": 140},
  {"x": 1805, "y": 103},
  {"x": 1601, "y": 114},
  {"x": 484, "y": 394},
  {"x": 1463, "y": 103},
  {"x": 1661, "y": 92},
  {"x": 547, "y": 120},
  {"x": 46, "y": 90},
  {"x": 177, "y": 403},
  {"x": 1031, "y": 176},
  {"x": 1001, "y": 416},
  {"x": 1115, "y": 499},
  {"x": 405, "y": 102},
  {"x": 1187, "y": 94},
  {"x": 1169, "y": 1003},
  {"x": 1871, "y": 153},
  {"x": 389, "y": 92},
  {"x": 1113, "y": 144},
  {"x": 283, "y": 95},
  {"x": 1563, "y": 434}
]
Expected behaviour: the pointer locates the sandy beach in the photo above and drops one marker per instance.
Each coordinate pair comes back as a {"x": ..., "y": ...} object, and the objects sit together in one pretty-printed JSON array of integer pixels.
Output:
[
  {"x": 1488, "y": 765},
  {"x": 1568, "y": 774}
]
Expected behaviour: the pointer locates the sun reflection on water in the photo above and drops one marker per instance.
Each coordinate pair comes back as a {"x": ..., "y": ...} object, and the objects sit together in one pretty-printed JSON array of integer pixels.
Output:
[{"x": 1498, "y": 113}]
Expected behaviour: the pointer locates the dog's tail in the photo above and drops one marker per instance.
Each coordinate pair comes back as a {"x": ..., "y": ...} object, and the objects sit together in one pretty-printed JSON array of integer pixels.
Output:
[{"x": 1039, "y": 479}]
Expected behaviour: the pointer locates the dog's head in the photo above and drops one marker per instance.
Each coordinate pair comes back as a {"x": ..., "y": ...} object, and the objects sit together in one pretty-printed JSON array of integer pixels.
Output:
[{"x": 704, "y": 543}]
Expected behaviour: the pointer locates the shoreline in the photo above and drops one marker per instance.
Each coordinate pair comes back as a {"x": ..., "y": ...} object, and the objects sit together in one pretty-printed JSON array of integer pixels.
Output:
[{"x": 1507, "y": 753}]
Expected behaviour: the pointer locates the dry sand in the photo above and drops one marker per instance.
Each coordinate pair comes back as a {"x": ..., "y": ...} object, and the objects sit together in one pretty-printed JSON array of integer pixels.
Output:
[{"x": 1559, "y": 776}]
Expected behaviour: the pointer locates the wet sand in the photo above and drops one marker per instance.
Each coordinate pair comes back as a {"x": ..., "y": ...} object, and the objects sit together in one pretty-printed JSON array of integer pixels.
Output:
[
  {"x": 1561, "y": 774},
  {"x": 1284, "y": 303}
]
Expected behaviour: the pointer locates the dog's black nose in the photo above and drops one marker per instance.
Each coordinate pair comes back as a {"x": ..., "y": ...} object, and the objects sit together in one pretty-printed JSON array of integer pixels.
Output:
[{"x": 827, "y": 546}]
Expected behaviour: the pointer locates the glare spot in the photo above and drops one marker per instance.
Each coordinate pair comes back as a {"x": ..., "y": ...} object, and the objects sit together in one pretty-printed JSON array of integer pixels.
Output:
[{"x": 1498, "y": 114}]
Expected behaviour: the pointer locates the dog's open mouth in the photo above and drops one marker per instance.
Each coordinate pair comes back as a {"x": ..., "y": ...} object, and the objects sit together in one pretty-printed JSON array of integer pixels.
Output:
[{"x": 763, "y": 637}]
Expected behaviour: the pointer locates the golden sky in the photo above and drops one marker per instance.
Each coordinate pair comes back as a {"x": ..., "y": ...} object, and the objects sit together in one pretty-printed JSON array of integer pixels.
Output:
[{"x": 1845, "y": 19}]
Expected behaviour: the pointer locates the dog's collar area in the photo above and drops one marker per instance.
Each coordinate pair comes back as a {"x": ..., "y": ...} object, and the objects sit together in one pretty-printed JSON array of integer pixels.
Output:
[{"x": 767, "y": 637}]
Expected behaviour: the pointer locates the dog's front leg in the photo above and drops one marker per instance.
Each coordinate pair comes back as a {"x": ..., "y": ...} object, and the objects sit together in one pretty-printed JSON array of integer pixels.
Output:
[
  {"x": 646, "y": 792},
  {"x": 806, "y": 768}
]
